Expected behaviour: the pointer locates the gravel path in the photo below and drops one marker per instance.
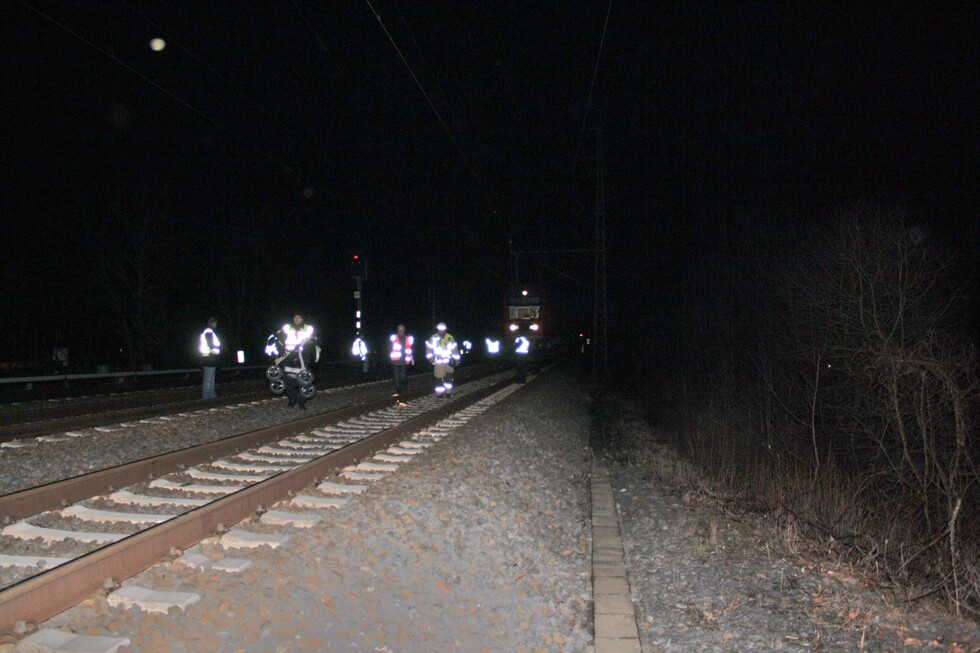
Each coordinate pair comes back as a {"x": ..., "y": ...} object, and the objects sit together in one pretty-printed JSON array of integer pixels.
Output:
[
  {"x": 704, "y": 581},
  {"x": 482, "y": 544}
]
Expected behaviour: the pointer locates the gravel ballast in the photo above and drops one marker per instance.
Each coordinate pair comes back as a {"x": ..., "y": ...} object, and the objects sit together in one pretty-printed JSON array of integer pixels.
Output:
[{"x": 481, "y": 544}]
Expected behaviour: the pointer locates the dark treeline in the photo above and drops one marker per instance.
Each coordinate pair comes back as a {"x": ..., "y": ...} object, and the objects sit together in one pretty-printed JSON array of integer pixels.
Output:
[
  {"x": 827, "y": 374},
  {"x": 127, "y": 278},
  {"x": 130, "y": 280}
]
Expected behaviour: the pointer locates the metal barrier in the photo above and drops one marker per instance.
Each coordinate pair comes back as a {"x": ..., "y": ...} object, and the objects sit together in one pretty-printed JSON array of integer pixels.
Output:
[{"x": 47, "y": 378}]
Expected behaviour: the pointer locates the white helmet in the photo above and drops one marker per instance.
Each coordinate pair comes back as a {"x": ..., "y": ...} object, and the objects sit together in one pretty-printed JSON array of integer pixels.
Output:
[{"x": 441, "y": 326}]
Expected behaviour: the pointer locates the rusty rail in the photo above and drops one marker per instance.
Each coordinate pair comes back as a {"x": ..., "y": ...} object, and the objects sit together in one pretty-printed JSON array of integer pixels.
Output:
[{"x": 42, "y": 596}]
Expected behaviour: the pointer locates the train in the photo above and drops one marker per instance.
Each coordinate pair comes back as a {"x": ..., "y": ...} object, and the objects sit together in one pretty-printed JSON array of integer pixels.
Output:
[{"x": 527, "y": 311}]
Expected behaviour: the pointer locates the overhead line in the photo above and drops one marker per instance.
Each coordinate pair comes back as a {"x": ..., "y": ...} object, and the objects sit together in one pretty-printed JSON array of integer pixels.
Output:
[
  {"x": 323, "y": 46},
  {"x": 435, "y": 78},
  {"x": 442, "y": 122},
  {"x": 180, "y": 100},
  {"x": 199, "y": 59},
  {"x": 595, "y": 73}
]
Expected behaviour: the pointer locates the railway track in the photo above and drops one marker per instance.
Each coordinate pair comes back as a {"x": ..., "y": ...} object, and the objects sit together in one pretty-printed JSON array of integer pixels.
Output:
[
  {"x": 36, "y": 419},
  {"x": 119, "y": 521}
]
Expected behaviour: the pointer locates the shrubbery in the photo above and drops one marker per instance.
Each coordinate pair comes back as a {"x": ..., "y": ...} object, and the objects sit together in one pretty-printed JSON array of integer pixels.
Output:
[{"x": 834, "y": 384}]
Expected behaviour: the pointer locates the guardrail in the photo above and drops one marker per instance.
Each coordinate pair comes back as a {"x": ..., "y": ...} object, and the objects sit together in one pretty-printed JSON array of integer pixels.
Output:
[
  {"x": 110, "y": 375},
  {"x": 47, "y": 378}
]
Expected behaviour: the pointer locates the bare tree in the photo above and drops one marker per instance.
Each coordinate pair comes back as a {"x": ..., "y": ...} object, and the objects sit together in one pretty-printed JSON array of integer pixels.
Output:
[
  {"x": 129, "y": 255},
  {"x": 881, "y": 296}
]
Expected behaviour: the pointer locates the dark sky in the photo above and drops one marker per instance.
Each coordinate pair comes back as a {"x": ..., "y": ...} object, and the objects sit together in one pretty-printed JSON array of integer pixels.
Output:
[{"x": 236, "y": 171}]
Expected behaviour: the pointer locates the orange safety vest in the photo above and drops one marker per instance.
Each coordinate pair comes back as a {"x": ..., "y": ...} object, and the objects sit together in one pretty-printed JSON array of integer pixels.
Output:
[{"x": 401, "y": 350}]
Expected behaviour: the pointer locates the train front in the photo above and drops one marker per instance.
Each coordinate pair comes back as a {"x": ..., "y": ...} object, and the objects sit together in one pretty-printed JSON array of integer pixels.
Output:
[{"x": 526, "y": 313}]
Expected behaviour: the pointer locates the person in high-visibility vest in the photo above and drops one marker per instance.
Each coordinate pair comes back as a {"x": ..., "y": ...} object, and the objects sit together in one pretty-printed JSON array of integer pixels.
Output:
[
  {"x": 295, "y": 334},
  {"x": 442, "y": 351},
  {"x": 298, "y": 337},
  {"x": 210, "y": 349},
  {"x": 522, "y": 347},
  {"x": 400, "y": 354}
]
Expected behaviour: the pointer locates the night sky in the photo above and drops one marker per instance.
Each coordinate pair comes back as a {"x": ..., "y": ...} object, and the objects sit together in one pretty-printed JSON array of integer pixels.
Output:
[{"x": 237, "y": 170}]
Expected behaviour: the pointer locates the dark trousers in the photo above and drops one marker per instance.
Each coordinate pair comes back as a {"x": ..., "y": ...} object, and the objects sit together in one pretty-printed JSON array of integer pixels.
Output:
[
  {"x": 292, "y": 391},
  {"x": 521, "y": 369},
  {"x": 400, "y": 374}
]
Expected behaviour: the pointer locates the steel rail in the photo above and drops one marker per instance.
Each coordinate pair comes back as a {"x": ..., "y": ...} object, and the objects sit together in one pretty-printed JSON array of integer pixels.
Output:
[
  {"x": 32, "y": 501},
  {"x": 112, "y": 412},
  {"x": 34, "y": 421},
  {"x": 40, "y": 597},
  {"x": 25, "y": 413}
]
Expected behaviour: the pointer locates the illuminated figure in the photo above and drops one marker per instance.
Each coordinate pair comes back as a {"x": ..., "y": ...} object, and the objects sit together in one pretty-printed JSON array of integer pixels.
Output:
[
  {"x": 400, "y": 354},
  {"x": 295, "y": 348},
  {"x": 441, "y": 350},
  {"x": 210, "y": 350},
  {"x": 522, "y": 346}
]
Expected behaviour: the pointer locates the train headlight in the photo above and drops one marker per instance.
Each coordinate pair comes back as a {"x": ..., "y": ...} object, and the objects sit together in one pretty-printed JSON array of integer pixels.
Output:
[
  {"x": 513, "y": 327},
  {"x": 534, "y": 327}
]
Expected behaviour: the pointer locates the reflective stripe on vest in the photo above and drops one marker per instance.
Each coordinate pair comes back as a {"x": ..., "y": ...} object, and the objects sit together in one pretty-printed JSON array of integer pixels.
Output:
[
  {"x": 206, "y": 348},
  {"x": 441, "y": 349},
  {"x": 295, "y": 337},
  {"x": 397, "y": 348}
]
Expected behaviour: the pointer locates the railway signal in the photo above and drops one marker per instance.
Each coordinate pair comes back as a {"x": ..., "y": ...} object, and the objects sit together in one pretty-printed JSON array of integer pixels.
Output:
[
  {"x": 358, "y": 267},
  {"x": 359, "y": 273}
]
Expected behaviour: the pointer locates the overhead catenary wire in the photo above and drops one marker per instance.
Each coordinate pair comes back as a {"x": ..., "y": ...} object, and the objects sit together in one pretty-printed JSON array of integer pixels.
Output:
[
  {"x": 316, "y": 37},
  {"x": 210, "y": 68},
  {"x": 282, "y": 166},
  {"x": 217, "y": 74},
  {"x": 435, "y": 78},
  {"x": 595, "y": 74},
  {"x": 442, "y": 122}
]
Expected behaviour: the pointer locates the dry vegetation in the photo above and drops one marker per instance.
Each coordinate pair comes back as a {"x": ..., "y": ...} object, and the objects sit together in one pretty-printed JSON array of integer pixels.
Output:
[{"x": 835, "y": 388}]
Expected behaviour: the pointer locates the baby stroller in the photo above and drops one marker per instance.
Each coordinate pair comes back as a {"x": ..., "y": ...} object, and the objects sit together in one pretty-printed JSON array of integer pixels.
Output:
[{"x": 291, "y": 366}]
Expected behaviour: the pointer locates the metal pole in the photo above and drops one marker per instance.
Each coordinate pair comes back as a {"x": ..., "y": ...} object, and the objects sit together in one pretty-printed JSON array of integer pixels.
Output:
[
  {"x": 360, "y": 316},
  {"x": 432, "y": 300}
]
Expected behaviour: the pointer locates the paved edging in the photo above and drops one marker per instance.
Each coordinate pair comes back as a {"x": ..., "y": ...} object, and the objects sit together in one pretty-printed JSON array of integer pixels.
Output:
[{"x": 614, "y": 616}]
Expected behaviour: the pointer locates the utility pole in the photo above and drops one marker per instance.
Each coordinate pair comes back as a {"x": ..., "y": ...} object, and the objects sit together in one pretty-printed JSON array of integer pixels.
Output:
[
  {"x": 600, "y": 349},
  {"x": 517, "y": 263},
  {"x": 359, "y": 272},
  {"x": 432, "y": 300}
]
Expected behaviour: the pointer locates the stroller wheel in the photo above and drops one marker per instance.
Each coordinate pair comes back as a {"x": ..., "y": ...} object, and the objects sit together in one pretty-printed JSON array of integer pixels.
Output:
[
  {"x": 273, "y": 373},
  {"x": 305, "y": 377},
  {"x": 277, "y": 387},
  {"x": 307, "y": 391}
]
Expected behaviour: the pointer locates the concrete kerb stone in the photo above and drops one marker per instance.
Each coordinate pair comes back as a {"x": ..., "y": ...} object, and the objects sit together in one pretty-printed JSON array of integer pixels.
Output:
[
  {"x": 607, "y": 555},
  {"x": 616, "y": 604},
  {"x": 613, "y": 613},
  {"x": 616, "y": 626},
  {"x": 607, "y": 645},
  {"x": 612, "y": 569}
]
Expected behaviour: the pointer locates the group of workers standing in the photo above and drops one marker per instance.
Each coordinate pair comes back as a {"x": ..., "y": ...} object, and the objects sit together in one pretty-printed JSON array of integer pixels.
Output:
[{"x": 441, "y": 350}]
